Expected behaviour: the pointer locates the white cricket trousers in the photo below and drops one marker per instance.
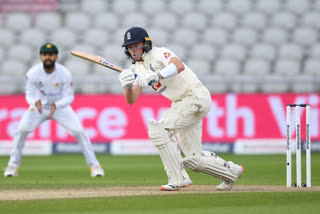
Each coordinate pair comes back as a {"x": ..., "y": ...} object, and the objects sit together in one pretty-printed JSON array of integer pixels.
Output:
[
  {"x": 66, "y": 117},
  {"x": 185, "y": 116}
]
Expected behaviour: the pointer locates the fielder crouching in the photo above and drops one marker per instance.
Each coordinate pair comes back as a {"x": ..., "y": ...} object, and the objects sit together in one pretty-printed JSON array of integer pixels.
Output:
[
  {"x": 49, "y": 92},
  {"x": 162, "y": 70}
]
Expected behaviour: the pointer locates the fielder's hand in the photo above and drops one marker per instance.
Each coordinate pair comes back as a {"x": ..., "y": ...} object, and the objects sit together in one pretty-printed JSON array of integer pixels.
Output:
[
  {"x": 53, "y": 109},
  {"x": 147, "y": 79},
  {"x": 39, "y": 106},
  {"x": 127, "y": 78}
]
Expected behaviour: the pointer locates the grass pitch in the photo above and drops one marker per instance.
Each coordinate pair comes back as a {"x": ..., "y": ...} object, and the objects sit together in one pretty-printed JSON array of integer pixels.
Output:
[{"x": 69, "y": 172}]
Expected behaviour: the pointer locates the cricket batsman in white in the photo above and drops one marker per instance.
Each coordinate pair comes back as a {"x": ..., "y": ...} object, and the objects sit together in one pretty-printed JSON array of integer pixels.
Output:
[
  {"x": 49, "y": 92},
  {"x": 161, "y": 69}
]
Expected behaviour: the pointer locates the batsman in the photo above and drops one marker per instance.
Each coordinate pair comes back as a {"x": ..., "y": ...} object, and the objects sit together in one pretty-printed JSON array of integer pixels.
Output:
[{"x": 181, "y": 125}]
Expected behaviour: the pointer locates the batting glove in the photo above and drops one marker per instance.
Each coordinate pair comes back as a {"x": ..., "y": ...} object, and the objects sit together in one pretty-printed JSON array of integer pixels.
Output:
[
  {"x": 141, "y": 81},
  {"x": 148, "y": 78},
  {"x": 127, "y": 78}
]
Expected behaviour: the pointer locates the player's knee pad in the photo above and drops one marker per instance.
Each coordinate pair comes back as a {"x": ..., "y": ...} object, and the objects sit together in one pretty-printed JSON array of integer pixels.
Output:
[
  {"x": 169, "y": 153},
  {"x": 211, "y": 164},
  {"x": 158, "y": 135}
]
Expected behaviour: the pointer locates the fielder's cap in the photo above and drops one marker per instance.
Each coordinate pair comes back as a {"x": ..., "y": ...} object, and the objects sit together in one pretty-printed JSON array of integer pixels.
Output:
[{"x": 48, "y": 48}]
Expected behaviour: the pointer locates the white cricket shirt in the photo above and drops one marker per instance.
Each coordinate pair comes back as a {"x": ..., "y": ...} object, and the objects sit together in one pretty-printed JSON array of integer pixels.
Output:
[
  {"x": 55, "y": 87},
  {"x": 173, "y": 87}
]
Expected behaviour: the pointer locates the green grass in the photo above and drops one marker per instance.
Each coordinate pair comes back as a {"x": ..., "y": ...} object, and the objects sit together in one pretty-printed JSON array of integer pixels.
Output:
[
  {"x": 299, "y": 202},
  {"x": 70, "y": 171}
]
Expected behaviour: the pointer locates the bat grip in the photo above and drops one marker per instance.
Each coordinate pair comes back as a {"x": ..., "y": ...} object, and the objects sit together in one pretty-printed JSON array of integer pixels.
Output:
[{"x": 150, "y": 83}]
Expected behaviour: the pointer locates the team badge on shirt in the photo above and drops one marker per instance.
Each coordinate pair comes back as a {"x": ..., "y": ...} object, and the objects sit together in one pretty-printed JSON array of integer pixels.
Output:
[
  {"x": 166, "y": 55},
  {"x": 57, "y": 84}
]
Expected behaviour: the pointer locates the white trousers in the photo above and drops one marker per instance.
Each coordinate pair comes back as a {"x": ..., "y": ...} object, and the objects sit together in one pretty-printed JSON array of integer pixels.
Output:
[
  {"x": 184, "y": 118},
  {"x": 66, "y": 117}
]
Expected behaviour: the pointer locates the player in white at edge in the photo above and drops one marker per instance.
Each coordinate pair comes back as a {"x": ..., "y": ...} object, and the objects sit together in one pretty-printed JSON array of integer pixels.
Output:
[
  {"x": 49, "y": 92},
  {"x": 161, "y": 69}
]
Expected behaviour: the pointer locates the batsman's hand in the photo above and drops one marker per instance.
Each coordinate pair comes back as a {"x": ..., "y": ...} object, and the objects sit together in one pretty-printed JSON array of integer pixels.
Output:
[
  {"x": 147, "y": 79},
  {"x": 127, "y": 78},
  {"x": 141, "y": 81},
  {"x": 39, "y": 106}
]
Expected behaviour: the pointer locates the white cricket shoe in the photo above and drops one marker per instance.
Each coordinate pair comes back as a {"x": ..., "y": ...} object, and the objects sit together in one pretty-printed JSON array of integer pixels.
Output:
[
  {"x": 96, "y": 171},
  {"x": 227, "y": 185},
  {"x": 172, "y": 187},
  {"x": 11, "y": 171}
]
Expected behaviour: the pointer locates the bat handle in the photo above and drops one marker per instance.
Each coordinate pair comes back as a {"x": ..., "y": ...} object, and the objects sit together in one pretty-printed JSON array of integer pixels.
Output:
[{"x": 150, "y": 83}]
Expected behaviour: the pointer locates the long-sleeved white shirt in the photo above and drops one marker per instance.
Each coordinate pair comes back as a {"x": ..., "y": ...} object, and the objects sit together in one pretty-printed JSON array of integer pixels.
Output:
[
  {"x": 55, "y": 87},
  {"x": 173, "y": 87}
]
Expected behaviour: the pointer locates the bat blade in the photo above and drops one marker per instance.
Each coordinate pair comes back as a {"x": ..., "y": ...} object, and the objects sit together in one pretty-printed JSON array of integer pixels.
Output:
[{"x": 96, "y": 59}]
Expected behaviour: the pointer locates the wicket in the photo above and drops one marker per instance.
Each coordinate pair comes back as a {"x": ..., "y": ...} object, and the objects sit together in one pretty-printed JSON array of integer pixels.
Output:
[{"x": 298, "y": 144}]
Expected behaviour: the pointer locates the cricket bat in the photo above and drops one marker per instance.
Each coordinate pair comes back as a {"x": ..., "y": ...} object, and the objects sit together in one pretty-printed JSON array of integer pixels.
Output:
[{"x": 96, "y": 59}]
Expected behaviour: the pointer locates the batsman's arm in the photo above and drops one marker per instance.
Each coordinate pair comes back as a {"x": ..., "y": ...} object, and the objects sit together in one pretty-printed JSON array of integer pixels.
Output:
[
  {"x": 174, "y": 67},
  {"x": 132, "y": 94}
]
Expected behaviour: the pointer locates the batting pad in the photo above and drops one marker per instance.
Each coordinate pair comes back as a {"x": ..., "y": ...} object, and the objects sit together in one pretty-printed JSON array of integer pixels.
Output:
[
  {"x": 212, "y": 165},
  {"x": 169, "y": 152}
]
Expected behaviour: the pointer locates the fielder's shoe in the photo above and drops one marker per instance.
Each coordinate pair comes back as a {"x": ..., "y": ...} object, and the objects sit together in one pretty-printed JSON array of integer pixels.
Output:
[
  {"x": 171, "y": 187},
  {"x": 11, "y": 171},
  {"x": 227, "y": 185},
  {"x": 96, "y": 171}
]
